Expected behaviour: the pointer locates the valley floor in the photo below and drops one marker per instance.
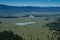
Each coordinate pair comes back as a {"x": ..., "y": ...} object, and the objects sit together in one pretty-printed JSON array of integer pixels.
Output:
[{"x": 36, "y": 31}]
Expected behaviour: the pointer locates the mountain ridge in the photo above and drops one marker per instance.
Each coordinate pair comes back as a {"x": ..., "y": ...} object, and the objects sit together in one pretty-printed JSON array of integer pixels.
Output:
[{"x": 7, "y": 8}]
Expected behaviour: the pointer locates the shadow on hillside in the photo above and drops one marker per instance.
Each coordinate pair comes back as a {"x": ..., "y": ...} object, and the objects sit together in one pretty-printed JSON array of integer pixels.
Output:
[{"x": 9, "y": 35}]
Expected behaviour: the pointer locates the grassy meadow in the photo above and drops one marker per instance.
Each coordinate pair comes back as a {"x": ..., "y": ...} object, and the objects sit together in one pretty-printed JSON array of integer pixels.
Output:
[{"x": 36, "y": 31}]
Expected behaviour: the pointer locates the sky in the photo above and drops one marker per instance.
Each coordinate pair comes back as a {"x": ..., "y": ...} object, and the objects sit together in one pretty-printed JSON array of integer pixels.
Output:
[{"x": 42, "y": 3}]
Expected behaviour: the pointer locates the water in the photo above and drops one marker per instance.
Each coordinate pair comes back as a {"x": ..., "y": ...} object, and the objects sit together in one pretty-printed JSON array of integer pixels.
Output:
[{"x": 25, "y": 23}]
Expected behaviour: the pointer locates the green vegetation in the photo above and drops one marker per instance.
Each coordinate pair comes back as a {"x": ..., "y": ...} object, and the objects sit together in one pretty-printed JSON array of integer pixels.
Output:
[
  {"x": 29, "y": 32},
  {"x": 0, "y": 22},
  {"x": 55, "y": 26},
  {"x": 9, "y": 35},
  {"x": 37, "y": 31}
]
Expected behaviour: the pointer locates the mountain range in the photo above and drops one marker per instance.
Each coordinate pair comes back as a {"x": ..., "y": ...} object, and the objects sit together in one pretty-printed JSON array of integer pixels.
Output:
[{"x": 17, "y": 9}]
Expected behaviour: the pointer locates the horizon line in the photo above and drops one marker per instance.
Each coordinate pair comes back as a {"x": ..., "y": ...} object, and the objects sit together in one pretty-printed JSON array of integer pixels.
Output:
[{"x": 29, "y": 5}]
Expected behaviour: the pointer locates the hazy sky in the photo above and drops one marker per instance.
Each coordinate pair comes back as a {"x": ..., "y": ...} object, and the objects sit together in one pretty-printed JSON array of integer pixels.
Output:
[{"x": 31, "y": 2}]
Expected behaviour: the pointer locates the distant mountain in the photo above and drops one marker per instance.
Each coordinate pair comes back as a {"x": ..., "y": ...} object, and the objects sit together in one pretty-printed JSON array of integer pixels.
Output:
[{"x": 16, "y": 9}]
